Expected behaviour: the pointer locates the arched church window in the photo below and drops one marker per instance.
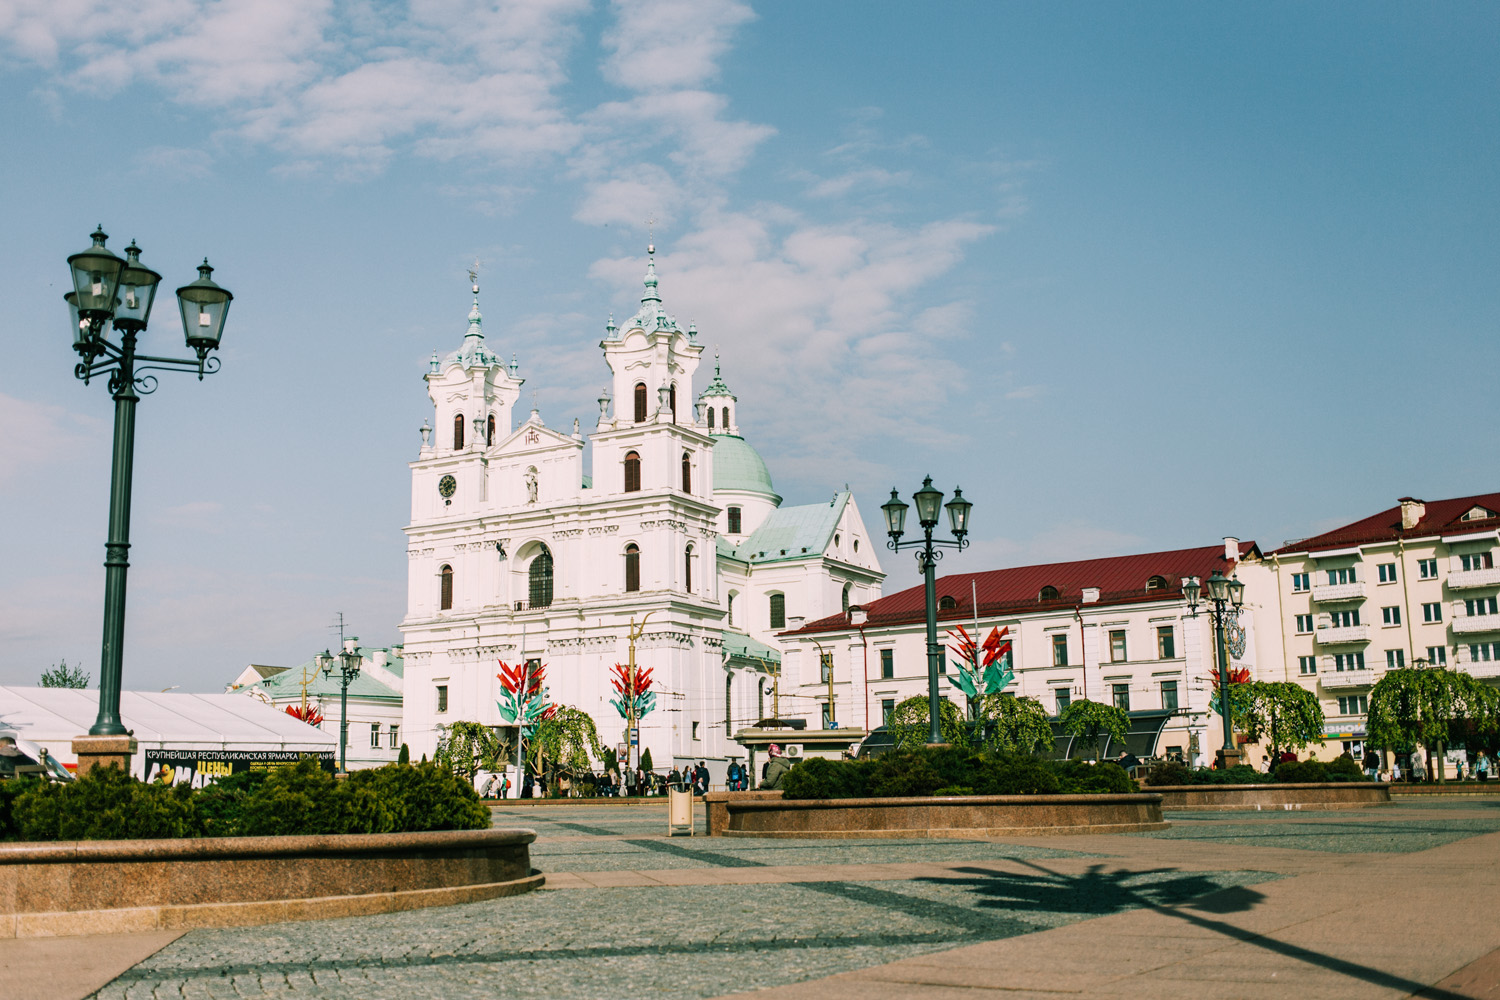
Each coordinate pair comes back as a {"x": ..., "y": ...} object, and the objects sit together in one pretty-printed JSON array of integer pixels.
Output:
[
  {"x": 458, "y": 432},
  {"x": 632, "y": 568},
  {"x": 846, "y": 598},
  {"x": 1047, "y": 594},
  {"x": 729, "y": 608},
  {"x": 710, "y": 418},
  {"x": 539, "y": 592},
  {"x": 945, "y": 603},
  {"x": 687, "y": 570},
  {"x": 734, "y": 520},
  {"x": 489, "y": 439},
  {"x": 687, "y": 472},
  {"x": 672, "y": 401},
  {"x": 726, "y": 419},
  {"x": 632, "y": 472},
  {"x": 640, "y": 402},
  {"x": 445, "y": 590},
  {"x": 778, "y": 611}
]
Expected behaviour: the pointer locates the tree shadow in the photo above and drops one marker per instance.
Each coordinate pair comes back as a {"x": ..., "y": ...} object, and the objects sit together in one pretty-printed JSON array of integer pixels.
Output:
[{"x": 1097, "y": 892}]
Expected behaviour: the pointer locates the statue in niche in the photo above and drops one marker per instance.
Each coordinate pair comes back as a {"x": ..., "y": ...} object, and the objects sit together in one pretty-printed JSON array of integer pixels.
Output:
[{"x": 531, "y": 484}]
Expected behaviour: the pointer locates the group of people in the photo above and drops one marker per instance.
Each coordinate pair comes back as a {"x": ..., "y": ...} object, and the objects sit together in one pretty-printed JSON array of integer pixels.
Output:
[
  {"x": 610, "y": 783},
  {"x": 1477, "y": 766}
]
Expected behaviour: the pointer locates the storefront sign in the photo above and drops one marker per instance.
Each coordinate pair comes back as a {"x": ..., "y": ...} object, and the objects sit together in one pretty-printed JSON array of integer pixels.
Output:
[{"x": 201, "y": 767}]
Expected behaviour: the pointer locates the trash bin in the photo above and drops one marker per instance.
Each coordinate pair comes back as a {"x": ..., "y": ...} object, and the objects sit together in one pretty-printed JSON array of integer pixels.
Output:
[{"x": 680, "y": 810}]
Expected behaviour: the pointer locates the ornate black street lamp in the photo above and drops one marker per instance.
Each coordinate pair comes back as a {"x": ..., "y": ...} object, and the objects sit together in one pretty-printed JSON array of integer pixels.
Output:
[
  {"x": 1225, "y": 598},
  {"x": 346, "y": 662},
  {"x": 928, "y": 500},
  {"x": 108, "y": 289}
]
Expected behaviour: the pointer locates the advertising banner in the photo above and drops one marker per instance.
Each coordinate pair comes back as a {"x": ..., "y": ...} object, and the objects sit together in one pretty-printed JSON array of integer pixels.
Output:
[{"x": 201, "y": 767}]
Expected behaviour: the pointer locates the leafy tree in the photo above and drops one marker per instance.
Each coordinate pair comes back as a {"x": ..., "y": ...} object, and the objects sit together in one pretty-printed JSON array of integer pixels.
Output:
[
  {"x": 1426, "y": 708},
  {"x": 910, "y": 728},
  {"x": 63, "y": 676},
  {"x": 466, "y": 748},
  {"x": 1014, "y": 725},
  {"x": 1283, "y": 715},
  {"x": 1091, "y": 720},
  {"x": 569, "y": 738}
]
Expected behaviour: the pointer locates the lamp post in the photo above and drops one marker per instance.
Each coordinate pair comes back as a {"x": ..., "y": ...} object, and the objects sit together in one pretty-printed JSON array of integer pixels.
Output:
[
  {"x": 346, "y": 662},
  {"x": 929, "y": 551},
  {"x": 1225, "y": 598},
  {"x": 110, "y": 290}
]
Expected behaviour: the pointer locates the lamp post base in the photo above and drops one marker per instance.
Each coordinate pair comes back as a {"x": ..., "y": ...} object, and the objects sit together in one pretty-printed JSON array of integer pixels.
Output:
[
  {"x": 103, "y": 751},
  {"x": 1225, "y": 759}
]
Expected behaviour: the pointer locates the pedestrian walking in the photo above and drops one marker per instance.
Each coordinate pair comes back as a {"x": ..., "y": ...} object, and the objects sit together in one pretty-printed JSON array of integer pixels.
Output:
[
  {"x": 1371, "y": 762},
  {"x": 1418, "y": 766},
  {"x": 1482, "y": 767},
  {"x": 700, "y": 778}
]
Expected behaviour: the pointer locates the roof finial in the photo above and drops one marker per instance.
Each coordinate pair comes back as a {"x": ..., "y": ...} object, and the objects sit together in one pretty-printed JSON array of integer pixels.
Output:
[
  {"x": 475, "y": 320},
  {"x": 651, "y": 235},
  {"x": 716, "y": 361}
]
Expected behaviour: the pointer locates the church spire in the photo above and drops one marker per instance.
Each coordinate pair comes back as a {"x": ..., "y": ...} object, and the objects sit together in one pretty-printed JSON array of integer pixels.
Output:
[
  {"x": 651, "y": 293},
  {"x": 474, "y": 318}
]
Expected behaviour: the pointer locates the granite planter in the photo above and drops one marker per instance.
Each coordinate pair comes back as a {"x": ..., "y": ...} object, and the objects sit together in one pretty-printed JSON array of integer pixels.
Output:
[
  {"x": 768, "y": 814},
  {"x": 1228, "y": 798},
  {"x": 109, "y": 886}
]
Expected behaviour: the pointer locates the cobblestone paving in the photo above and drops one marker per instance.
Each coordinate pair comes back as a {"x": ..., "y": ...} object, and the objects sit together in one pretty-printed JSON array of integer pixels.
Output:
[
  {"x": 671, "y": 942},
  {"x": 694, "y": 941},
  {"x": 1400, "y": 828}
]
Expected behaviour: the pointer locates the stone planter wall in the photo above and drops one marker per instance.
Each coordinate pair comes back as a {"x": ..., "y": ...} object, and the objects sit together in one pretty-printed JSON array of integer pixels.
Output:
[
  {"x": 103, "y": 886},
  {"x": 768, "y": 814},
  {"x": 1329, "y": 795}
]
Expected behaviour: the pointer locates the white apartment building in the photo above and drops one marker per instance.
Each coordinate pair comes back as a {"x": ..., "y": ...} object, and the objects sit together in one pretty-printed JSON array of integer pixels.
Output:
[
  {"x": 1115, "y": 630},
  {"x": 1415, "y": 583}
]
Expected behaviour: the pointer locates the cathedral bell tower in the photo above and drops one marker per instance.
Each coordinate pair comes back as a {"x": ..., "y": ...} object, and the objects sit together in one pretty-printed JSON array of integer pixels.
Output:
[{"x": 652, "y": 360}]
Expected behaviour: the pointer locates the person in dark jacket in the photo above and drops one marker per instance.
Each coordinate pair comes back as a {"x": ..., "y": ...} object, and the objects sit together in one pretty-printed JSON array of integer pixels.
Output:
[{"x": 700, "y": 778}]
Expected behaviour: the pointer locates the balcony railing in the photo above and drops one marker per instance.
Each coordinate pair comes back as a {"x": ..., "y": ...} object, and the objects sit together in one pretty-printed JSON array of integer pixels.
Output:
[
  {"x": 1466, "y": 624},
  {"x": 1484, "y": 668},
  {"x": 532, "y": 605},
  {"x": 1466, "y": 578},
  {"x": 1346, "y": 633},
  {"x": 1339, "y": 592},
  {"x": 1348, "y": 678}
]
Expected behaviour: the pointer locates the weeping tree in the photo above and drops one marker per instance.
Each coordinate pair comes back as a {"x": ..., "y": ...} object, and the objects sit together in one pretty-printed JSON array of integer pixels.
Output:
[
  {"x": 1090, "y": 720},
  {"x": 1428, "y": 708},
  {"x": 568, "y": 738},
  {"x": 466, "y": 748},
  {"x": 1014, "y": 725},
  {"x": 1282, "y": 715},
  {"x": 909, "y": 725}
]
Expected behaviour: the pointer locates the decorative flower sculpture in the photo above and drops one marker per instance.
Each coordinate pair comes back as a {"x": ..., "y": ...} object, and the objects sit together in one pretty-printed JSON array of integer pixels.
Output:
[
  {"x": 640, "y": 693},
  {"x": 523, "y": 699}
]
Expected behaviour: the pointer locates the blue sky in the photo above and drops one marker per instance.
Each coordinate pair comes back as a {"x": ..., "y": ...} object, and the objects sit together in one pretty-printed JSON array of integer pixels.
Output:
[{"x": 1135, "y": 276}]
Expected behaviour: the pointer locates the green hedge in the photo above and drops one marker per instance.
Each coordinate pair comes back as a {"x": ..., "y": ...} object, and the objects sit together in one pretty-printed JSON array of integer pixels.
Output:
[
  {"x": 1344, "y": 768},
  {"x": 949, "y": 771},
  {"x": 108, "y": 805}
]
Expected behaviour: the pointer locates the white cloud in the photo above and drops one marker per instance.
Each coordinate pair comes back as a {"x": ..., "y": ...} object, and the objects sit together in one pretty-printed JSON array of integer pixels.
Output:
[
  {"x": 173, "y": 161},
  {"x": 41, "y": 434},
  {"x": 870, "y": 178},
  {"x": 665, "y": 44}
]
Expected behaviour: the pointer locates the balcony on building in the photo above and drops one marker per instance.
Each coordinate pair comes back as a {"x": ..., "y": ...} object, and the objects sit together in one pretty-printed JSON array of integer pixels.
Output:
[
  {"x": 1468, "y": 624},
  {"x": 1330, "y": 592},
  {"x": 1482, "y": 668},
  {"x": 1464, "y": 579},
  {"x": 1339, "y": 679},
  {"x": 1345, "y": 633}
]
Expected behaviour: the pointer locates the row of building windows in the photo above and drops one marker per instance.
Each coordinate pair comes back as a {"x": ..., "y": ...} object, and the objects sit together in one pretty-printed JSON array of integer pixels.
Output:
[
  {"x": 1432, "y": 612},
  {"x": 540, "y": 581},
  {"x": 394, "y": 732},
  {"x": 458, "y": 431},
  {"x": 1166, "y": 646},
  {"x": 1427, "y": 569},
  {"x": 633, "y": 473}
]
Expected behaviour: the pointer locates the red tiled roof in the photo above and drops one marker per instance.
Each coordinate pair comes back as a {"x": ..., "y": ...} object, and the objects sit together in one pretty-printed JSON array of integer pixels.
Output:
[
  {"x": 1120, "y": 580},
  {"x": 1441, "y": 517}
]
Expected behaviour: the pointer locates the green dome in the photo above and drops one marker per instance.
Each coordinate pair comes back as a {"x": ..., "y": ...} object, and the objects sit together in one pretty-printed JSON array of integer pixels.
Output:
[{"x": 737, "y": 466}]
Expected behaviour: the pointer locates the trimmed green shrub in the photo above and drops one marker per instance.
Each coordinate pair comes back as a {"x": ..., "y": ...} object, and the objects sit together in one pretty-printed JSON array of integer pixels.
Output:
[
  {"x": 1308, "y": 771},
  {"x": 108, "y": 805},
  {"x": 1241, "y": 774},
  {"x": 404, "y": 757},
  {"x": 1346, "y": 768},
  {"x": 105, "y": 804},
  {"x": 1076, "y": 777},
  {"x": 1169, "y": 772}
]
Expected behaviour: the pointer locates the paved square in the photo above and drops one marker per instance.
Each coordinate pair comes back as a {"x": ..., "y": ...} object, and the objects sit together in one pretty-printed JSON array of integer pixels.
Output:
[{"x": 1232, "y": 905}]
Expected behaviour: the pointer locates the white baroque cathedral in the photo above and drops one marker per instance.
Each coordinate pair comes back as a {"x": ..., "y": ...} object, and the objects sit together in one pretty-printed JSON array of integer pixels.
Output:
[{"x": 519, "y": 551}]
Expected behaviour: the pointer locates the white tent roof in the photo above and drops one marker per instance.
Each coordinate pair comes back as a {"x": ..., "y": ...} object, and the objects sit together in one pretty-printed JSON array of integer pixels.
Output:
[{"x": 176, "y": 719}]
